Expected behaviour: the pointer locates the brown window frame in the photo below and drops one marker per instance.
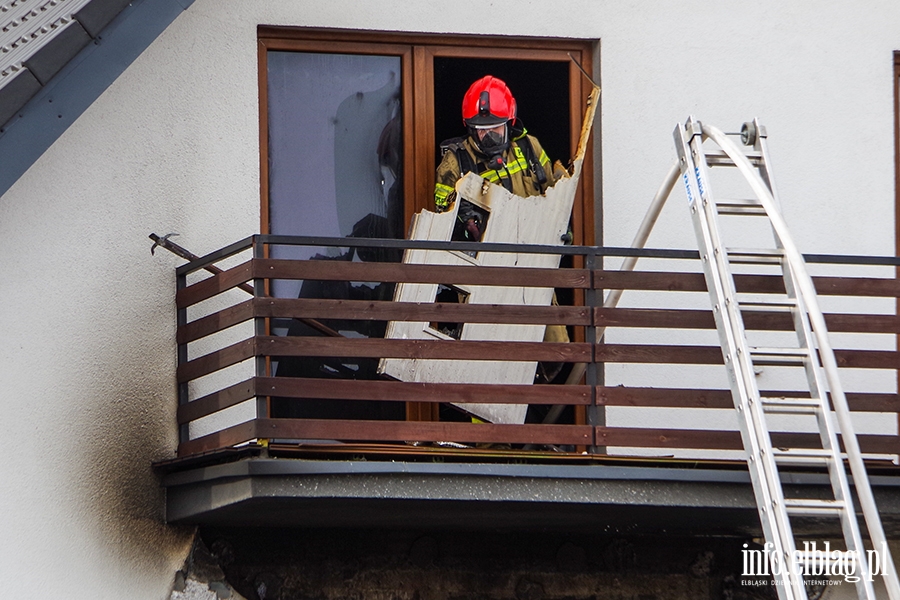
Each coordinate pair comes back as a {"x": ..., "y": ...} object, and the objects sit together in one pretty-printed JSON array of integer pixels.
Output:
[
  {"x": 896, "y": 73},
  {"x": 417, "y": 53},
  {"x": 897, "y": 160}
]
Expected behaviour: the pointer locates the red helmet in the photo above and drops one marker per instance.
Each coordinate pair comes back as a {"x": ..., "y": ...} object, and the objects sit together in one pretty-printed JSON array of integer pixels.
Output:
[{"x": 488, "y": 103}]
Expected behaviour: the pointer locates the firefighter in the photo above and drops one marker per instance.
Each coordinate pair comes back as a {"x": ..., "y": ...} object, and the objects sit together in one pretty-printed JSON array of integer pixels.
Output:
[{"x": 498, "y": 148}]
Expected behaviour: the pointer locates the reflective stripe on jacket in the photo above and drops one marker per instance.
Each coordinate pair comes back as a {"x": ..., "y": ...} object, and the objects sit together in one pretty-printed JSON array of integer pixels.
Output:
[{"x": 517, "y": 176}]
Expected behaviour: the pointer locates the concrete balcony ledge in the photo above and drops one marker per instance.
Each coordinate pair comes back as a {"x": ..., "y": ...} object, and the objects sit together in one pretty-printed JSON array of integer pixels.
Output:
[{"x": 275, "y": 492}]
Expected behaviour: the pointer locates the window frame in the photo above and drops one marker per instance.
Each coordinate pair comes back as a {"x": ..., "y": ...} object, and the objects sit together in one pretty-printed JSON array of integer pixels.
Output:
[
  {"x": 417, "y": 53},
  {"x": 896, "y": 72},
  {"x": 896, "y": 86}
]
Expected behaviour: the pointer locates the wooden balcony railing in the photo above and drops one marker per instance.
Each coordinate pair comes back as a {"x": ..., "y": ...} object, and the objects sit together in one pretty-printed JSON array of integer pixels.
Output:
[{"x": 256, "y": 368}]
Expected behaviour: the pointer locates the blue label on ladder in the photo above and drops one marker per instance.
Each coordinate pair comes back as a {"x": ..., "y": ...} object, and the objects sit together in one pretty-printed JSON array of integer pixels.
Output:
[
  {"x": 699, "y": 179},
  {"x": 687, "y": 188}
]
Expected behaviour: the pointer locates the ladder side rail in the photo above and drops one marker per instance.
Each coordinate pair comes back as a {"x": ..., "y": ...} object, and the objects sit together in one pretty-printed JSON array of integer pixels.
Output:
[
  {"x": 761, "y": 145},
  {"x": 817, "y": 384},
  {"x": 762, "y": 468},
  {"x": 829, "y": 363},
  {"x": 836, "y": 472}
]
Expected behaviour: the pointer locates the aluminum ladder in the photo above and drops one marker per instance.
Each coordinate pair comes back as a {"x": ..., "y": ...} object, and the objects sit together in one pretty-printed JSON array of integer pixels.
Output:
[{"x": 742, "y": 359}]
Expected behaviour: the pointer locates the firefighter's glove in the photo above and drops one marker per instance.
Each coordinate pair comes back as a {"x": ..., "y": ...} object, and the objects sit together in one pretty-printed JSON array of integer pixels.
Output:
[
  {"x": 474, "y": 224},
  {"x": 443, "y": 202}
]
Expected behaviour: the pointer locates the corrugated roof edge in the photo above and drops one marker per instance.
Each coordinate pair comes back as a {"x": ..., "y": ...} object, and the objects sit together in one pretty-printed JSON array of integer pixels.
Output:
[{"x": 120, "y": 36}]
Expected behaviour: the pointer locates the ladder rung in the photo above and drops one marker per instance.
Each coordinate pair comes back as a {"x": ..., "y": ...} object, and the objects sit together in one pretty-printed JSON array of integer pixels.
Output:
[
  {"x": 771, "y": 306},
  {"x": 779, "y": 356},
  {"x": 809, "y": 507},
  {"x": 740, "y": 206},
  {"x": 720, "y": 159},
  {"x": 755, "y": 256},
  {"x": 802, "y": 456},
  {"x": 819, "y": 456},
  {"x": 791, "y": 406}
]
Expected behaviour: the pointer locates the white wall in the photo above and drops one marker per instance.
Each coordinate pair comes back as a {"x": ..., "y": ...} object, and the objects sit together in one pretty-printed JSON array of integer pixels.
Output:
[{"x": 87, "y": 319}]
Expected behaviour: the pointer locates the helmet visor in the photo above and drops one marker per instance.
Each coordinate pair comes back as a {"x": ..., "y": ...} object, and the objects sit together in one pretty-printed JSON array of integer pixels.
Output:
[
  {"x": 491, "y": 140},
  {"x": 485, "y": 121}
]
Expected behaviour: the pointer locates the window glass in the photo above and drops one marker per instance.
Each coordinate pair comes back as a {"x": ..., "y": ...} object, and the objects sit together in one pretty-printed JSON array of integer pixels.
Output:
[{"x": 335, "y": 155}]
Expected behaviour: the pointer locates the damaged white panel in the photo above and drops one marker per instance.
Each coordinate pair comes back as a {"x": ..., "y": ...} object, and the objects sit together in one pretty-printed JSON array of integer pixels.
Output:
[{"x": 512, "y": 219}]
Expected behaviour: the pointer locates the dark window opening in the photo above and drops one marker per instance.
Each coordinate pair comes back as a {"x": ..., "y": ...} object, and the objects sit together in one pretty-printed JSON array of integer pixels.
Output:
[{"x": 540, "y": 87}]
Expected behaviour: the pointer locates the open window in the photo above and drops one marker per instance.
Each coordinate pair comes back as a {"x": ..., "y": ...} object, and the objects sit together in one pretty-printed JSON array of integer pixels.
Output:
[{"x": 351, "y": 125}]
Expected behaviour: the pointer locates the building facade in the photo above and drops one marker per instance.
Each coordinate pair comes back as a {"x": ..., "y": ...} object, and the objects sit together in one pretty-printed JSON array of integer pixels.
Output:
[{"x": 166, "y": 133}]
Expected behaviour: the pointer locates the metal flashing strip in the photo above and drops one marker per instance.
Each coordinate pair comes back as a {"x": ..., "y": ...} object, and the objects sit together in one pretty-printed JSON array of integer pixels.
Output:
[
  {"x": 40, "y": 122},
  {"x": 262, "y": 467}
]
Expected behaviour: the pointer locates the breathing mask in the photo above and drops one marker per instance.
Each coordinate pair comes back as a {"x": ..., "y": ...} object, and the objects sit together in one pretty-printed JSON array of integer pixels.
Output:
[{"x": 493, "y": 144}]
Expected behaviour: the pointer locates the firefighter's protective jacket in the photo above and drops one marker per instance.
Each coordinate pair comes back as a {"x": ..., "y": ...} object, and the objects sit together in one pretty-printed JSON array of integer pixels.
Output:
[{"x": 517, "y": 176}]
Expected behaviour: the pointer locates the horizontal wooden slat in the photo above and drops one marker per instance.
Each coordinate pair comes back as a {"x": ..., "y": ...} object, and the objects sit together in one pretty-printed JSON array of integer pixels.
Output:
[
  {"x": 643, "y": 437},
  {"x": 880, "y": 444},
  {"x": 712, "y": 355},
  {"x": 408, "y": 311},
  {"x": 215, "y": 322},
  {"x": 209, "y": 363},
  {"x": 423, "y": 392},
  {"x": 873, "y": 402},
  {"x": 226, "y": 438},
  {"x": 663, "y": 397},
  {"x": 395, "y": 431},
  {"x": 424, "y": 431},
  {"x": 209, "y": 287},
  {"x": 412, "y": 273},
  {"x": 765, "y": 284},
  {"x": 857, "y": 286},
  {"x": 651, "y": 353},
  {"x": 849, "y": 323},
  {"x": 424, "y": 349},
  {"x": 513, "y": 434},
  {"x": 721, "y": 399},
  {"x": 868, "y": 359},
  {"x": 654, "y": 317},
  {"x": 473, "y": 350},
  {"x": 487, "y": 394},
  {"x": 640, "y": 437},
  {"x": 649, "y": 280},
  {"x": 568, "y": 315},
  {"x": 753, "y": 320},
  {"x": 216, "y": 401}
]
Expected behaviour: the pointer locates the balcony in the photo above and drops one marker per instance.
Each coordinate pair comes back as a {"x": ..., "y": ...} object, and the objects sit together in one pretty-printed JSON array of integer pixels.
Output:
[{"x": 281, "y": 405}]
